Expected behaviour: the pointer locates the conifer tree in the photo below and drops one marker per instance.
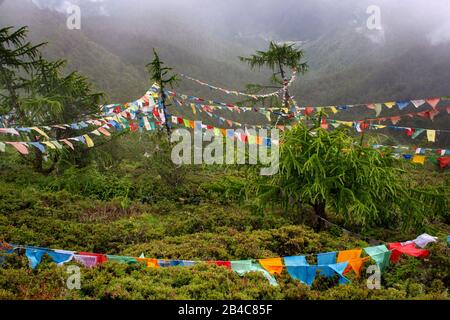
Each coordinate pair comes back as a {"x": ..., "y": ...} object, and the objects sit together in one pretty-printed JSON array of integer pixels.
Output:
[
  {"x": 160, "y": 74},
  {"x": 35, "y": 92},
  {"x": 278, "y": 58}
]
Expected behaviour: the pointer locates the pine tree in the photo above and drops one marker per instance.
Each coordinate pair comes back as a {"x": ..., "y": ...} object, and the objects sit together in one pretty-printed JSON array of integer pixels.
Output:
[
  {"x": 158, "y": 73},
  {"x": 279, "y": 57},
  {"x": 35, "y": 91}
]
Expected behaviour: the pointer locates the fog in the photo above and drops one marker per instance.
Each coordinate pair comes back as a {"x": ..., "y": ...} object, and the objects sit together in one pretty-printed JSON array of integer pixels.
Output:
[
  {"x": 408, "y": 55},
  {"x": 290, "y": 20}
]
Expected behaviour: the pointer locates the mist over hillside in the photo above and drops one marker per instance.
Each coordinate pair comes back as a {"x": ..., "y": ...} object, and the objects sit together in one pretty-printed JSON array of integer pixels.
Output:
[
  {"x": 181, "y": 198},
  {"x": 408, "y": 58}
]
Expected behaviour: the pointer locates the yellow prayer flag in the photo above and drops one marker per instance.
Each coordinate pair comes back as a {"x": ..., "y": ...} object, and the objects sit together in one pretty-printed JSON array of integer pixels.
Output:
[
  {"x": 89, "y": 141},
  {"x": 49, "y": 144},
  {"x": 40, "y": 132},
  {"x": 418, "y": 159},
  {"x": 347, "y": 123},
  {"x": 334, "y": 110},
  {"x": 431, "y": 135},
  {"x": 389, "y": 104}
]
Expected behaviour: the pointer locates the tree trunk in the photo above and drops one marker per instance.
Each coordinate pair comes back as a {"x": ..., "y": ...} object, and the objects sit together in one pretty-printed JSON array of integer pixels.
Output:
[
  {"x": 286, "y": 92},
  {"x": 163, "y": 100},
  {"x": 319, "y": 209},
  {"x": 37, "y": 162}
]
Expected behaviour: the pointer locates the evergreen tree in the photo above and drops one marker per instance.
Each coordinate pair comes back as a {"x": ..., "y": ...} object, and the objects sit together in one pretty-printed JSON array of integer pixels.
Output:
[
  {"x": 159, "y": 74},
  {"x": 278, "y": 57},
  {"x": 331, "y": 171},
  {"x": 34, "y": 91}
]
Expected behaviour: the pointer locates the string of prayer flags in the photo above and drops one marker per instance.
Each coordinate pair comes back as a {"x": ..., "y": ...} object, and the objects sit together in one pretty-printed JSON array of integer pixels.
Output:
[
  {"x": 39, "y": 129},
  {"x": 400, "y": 104},
  {"x": 287, "y": 84},
  {"x": 329, "y": 264},
  {"x": 357, "y": 125},
  {"x": 429, "y": 114}
]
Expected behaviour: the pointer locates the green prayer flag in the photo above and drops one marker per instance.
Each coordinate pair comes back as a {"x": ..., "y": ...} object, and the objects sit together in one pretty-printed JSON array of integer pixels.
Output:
[
  {"x": 433, "y": 159},
  {"x": 121, "y": 259},
  {"x": 243, "y": 266},
  {"x": 380, "y": 254},
  {"x": 417, "y": 133}
]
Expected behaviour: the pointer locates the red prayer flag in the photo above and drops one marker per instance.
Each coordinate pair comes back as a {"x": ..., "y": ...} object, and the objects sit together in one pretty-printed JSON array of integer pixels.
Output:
[
  {"x": 409, "y": 249},
  {"x": 309, "y": 111},
  {"x": 101, "y": 258},
  {"x": 226, "y": 264},
  {"x": 433, "y": 102},
  {"x": 444, "y": 162}
]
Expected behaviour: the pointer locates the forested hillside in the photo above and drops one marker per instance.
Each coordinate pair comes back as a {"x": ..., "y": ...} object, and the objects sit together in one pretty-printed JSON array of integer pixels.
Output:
[{"x": 87, "y": 171}]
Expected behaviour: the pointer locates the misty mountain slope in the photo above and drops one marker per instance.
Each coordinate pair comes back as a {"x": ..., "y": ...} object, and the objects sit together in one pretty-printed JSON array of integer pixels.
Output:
[
  {"x": 106, "y": 70},
  {"x": 348, "y": 62},
  {"x": 199, "y": 54}
]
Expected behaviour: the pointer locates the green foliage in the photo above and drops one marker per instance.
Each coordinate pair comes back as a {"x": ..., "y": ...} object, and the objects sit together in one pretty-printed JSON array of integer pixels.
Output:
[
  {"x": 128, "y": 197},
  {"x": 329, "y": 169},
  {"x": 61, "y": 212},
  {"x": 89, "y": 182},
  {"x": 278, "y": 56},
  {"x": 158, "y": 72},
  {"x": 35, "y": 92}
]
